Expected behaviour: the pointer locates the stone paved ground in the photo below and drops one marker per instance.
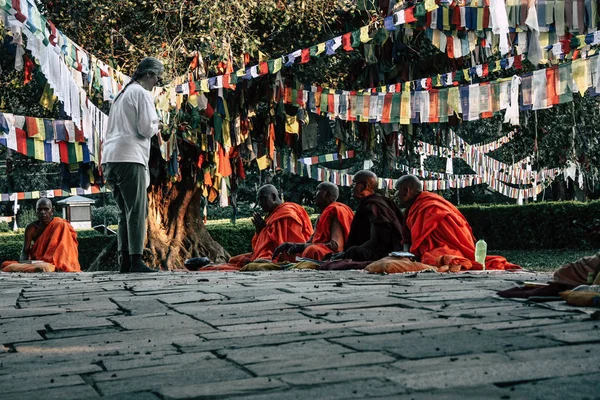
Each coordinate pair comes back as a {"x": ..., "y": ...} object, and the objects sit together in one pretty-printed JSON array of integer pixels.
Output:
[{"x": 290, "y": 335}]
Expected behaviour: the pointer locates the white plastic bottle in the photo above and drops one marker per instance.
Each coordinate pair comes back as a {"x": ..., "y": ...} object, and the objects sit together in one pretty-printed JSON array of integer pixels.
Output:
[{"x": 481, "y": 252}]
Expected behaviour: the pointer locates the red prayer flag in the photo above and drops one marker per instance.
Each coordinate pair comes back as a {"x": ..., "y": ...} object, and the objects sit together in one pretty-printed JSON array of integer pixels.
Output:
[
  {"x": 553, "y": 97},
  {"x": 409, "y": 15},
  {"x": 305, "y": 57},
  {"x": 21, "y": 141},
  {"x": 64, "y": 152},
  {"x": 28, "y": 70},
  {"x": 263, "y": 68},
  {"x": 347, "y": 41},
  {"x": 518, "y": 64}
]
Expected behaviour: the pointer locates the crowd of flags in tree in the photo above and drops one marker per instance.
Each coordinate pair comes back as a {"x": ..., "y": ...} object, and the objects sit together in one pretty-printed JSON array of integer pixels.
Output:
[{"x": 561, "y": 33}]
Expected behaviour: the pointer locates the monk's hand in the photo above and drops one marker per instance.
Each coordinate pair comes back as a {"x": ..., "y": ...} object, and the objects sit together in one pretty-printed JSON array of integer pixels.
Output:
[
  {"x": 258, "y": 221},
  {"x": 282, "y": 249}
]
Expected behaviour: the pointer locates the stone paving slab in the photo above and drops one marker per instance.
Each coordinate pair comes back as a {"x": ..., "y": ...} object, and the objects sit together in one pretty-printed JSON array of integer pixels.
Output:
[{"x": 290, "y": 335}]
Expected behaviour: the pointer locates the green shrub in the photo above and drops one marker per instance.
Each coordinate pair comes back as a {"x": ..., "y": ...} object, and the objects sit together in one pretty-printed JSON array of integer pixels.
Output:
[
  {"x": 236, "y": 239},
  {"x": 25, "y": 217},
  {"x": 4, "y": 227},
  {"x": 107, "y": 215},
  {"x": 91, "y": 243},
  {"x": 546, "y": 225},
  {"x": 10, "y": 250}
]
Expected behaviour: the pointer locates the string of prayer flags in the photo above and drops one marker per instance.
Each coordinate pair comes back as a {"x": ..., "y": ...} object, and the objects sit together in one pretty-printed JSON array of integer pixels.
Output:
[
  {"x": 419, "y": 102},
  {"x": 45, "y": 139},
  {"x": 52, "y": 193}
]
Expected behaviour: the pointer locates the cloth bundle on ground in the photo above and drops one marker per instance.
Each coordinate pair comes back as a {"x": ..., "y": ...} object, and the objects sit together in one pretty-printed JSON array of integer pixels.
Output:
[
  {"x": 57, "y": 245},
  {"x": 583, "y": 296},
  {"x": 344, "y": 214},
  {"x": 567, "y": 277},
  {"x": 12, "y": 266},
  {"x": 576, "y": 273},
  {"x": 289, "y": 222},
  {"x": 395, "y": 265},
  {"x": 442, "y": 236},
  {"x": 551, "y": 290},
  {"x": 219, "y": 267},
  {"x": 264, "y": 266}
]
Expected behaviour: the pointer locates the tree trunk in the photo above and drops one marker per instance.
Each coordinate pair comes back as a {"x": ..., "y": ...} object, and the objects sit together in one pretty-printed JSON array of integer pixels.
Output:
[{"x": 175, "y": 231}]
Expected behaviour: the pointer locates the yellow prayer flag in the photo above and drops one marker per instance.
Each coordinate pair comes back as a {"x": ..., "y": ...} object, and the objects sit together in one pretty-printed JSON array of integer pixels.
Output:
[
  {"x": 193, "y": 100},
  {"x": 466, "y": 75},
  {"x": 263, "y": 162},
  {"x": 581, "y": 74},
  {"x": 320, "y": 48},
  {"x": 48, "y": 98},
  {"x": 204, "y": 86},
  {"x": 430, "y": 5},
  {"x": 277, "y": 65},
  {"x": 364, "y": 34},
  {"x": 454, "y": 100},
  {"x": 78, "y": 151}
]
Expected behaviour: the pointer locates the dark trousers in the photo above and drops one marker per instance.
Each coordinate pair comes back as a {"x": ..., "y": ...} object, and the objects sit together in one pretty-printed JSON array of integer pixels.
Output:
[{"x": 128, "y": 182}]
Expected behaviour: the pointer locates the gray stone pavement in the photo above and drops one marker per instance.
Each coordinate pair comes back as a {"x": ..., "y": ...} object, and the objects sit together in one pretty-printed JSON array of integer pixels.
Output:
[{"x": 290, "y": 335}]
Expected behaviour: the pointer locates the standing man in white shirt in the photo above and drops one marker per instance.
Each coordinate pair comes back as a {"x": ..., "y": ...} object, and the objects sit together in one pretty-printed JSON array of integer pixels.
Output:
[{"x": 131, "y": 124}]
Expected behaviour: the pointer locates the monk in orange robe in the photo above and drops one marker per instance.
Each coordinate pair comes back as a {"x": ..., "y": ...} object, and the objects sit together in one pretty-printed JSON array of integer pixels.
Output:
[
  {"x": 440, "y": 234},
  {"x": 285, "y": 222},
  {"x": 332, "y": 226},
  {"x": 49, "y": 239}
]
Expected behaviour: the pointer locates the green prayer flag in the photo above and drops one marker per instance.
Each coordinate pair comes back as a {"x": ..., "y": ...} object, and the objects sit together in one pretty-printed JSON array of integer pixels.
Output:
[{"x": 355, "y": 39}]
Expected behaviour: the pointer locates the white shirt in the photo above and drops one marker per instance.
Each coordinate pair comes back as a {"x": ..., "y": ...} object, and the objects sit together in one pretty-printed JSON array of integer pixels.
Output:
[{"x": 131, "y": 124}]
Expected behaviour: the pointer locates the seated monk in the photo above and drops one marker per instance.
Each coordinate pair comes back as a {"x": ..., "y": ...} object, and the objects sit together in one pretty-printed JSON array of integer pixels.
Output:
[
  {"x": 377, "y": 226},
  {"x": 285, "y": 222},
  {"x": 331, "y": 228},
  {"x": 440, "y": 234},
  {"x": 51, "y": 240}
]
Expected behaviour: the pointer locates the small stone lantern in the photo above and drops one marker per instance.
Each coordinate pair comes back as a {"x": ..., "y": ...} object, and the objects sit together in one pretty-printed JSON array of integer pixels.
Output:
[{"x": 78, "y": 211}]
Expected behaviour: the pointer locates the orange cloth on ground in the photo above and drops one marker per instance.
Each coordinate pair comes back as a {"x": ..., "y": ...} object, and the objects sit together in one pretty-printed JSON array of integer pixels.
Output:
[
  {"x": 7, "y": 263},
  {"x": 441, "y": 235},
  {"x": 289, "y": 222},
  {"x": 57, "y": 245},
  {"x": 335, "y": 210},
  {"x": 14, "y": 266}
]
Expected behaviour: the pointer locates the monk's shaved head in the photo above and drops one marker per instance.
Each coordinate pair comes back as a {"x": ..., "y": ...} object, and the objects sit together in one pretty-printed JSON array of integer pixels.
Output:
[
  {"x": 327, "y": 193},
  {"x": 364, "y": 184},
  {"x": 330, "y": 189},
  {"x": 43, "y": 201},
  {"x": 44, "y": 211},
  {"x": 410, "y": 181},
  {"x": 268, "y": 189},
  {"x": 408, "y": 188},
  {"x": 268, "y": 198},
  {"x": 366, "y": 176}
]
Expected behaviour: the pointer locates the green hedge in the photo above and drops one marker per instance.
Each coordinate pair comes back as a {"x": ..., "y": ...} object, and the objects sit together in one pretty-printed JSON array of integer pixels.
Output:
[
  {"x": 547, "y": 225},
  {"x": 236, "y": 239}
]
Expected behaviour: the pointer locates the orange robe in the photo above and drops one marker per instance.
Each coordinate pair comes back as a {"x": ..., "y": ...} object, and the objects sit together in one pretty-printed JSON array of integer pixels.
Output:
[
  {"x": 442, "y": 236},
  {"x": 289, "y": 222},
  {"x": 57, "y": 245},
  {"x": 335, "y": 211}
]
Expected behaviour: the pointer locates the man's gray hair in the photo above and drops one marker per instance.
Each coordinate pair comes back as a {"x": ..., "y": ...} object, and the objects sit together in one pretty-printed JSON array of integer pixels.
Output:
[
  {"x": 331, "y": 189},
  {"x": 148, "y": 64}
]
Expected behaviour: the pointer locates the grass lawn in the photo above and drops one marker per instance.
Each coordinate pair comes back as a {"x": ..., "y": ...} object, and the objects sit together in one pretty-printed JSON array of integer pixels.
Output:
[{"x": 542, "y": 260}]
